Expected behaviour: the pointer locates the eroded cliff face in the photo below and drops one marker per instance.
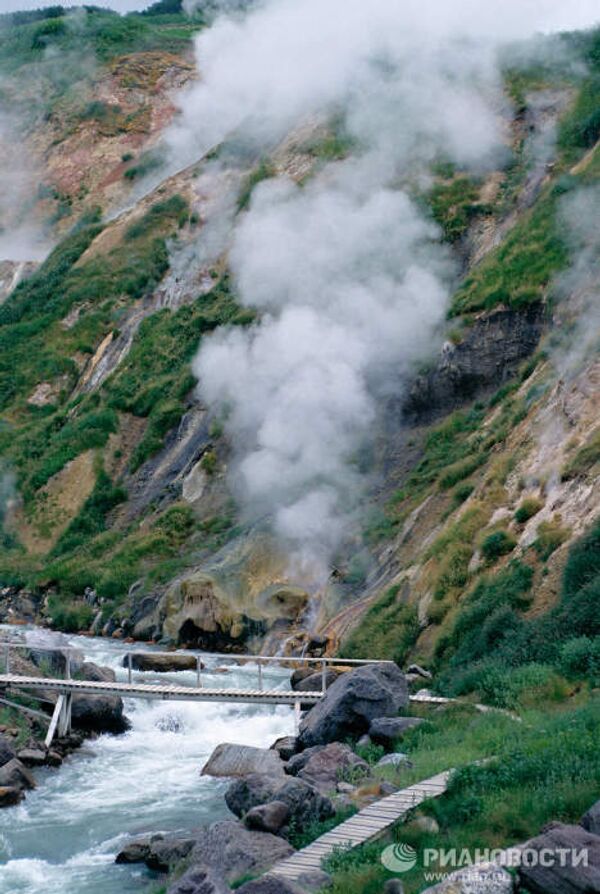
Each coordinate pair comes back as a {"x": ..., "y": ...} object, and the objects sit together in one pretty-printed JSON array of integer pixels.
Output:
[{"x": 123, "y": 517}]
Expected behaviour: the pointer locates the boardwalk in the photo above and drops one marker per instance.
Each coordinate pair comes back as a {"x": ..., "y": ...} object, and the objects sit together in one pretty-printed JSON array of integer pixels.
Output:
[{"x": 367, "y": 824}]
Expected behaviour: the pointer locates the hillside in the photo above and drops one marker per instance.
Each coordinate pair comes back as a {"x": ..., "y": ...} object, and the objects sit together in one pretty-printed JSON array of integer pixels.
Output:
[{"x": 475, "y": 547}]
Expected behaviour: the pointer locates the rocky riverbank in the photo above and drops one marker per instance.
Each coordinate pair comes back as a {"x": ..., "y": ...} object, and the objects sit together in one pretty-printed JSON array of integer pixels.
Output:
[
  {"x": 278, "y": 794},
  {"x": 22, "y": 746}
]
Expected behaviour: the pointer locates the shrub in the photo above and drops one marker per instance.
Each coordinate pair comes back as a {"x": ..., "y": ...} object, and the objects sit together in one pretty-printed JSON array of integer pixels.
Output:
[
  {"x": 580, "y": 657},
  {"x": 529, "y": 684},
  {"x": 496, "y": 545},
  {"x": 528, "y": 508},
  {"x": 550, "y": 535},
  {"x": 71, "y": 617},
  {"x": 586, "y": 458}
]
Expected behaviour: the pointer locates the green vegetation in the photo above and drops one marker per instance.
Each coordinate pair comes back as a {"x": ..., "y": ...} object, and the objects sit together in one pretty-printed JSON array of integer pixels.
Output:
[
  {"x": 585, "y": 459},
  {"x": 528, "y": 508},
  {"x": 300, "y": 838},
  {"x": 388, "y": 630},
  {"x": 454, "y": 204},
  {"x": 543, "y": 769},
  {"x": 35, "y": 347},
  {"x": 493, "y": 650},
  {"x": 263, "y": 171},
  {"x": 550, "y": 535},
  {"x": 519, "y": 271},
  {"x": 497, "y": 544}
]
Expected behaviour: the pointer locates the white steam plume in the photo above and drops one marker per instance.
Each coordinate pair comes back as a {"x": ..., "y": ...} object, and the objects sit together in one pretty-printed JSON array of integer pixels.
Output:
[{"x": 348, "y": 274}]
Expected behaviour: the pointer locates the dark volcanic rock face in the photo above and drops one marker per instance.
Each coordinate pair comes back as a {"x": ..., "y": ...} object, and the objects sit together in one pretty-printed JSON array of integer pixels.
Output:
[{"x": 488, "y": 355}]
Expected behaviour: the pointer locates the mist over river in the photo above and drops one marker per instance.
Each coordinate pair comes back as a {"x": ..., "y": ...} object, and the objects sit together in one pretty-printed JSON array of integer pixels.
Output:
[{"x": 63, "y": 838}]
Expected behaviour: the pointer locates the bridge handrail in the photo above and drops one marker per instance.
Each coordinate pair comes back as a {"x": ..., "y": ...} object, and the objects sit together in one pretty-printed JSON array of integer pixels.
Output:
[{"x": 259, "y": 660}]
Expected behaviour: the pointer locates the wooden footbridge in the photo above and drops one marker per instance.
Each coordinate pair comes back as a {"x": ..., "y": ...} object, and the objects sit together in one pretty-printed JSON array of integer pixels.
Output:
[{"x": 63, "y": 688}]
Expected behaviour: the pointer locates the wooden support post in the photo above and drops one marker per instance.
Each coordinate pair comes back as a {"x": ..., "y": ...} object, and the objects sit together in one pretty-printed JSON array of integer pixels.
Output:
[
  {"x": 53, "y": 723},
  {"x": 297, "y": 717},
  {"x": 64, "y": 720},
  {"x": 198, "y": 672},
  {"x": 129, "y": 667},
  {"x": 324, "y": 677}
]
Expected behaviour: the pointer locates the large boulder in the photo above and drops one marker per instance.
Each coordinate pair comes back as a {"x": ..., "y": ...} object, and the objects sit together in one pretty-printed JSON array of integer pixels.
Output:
[
  {"x": 200, "y": 880},
  {"x": 485, "y": 878},
  {"x": 353, "y": 701},
  {"x": 327, "y": 765},
  {"x": 241, "y": 760},
  {"x": 15, "y": 775},
  {"x": 387, "y": 730},
  {"x": 7, "y": 751},
  {"x": 160, "y": 662},
  {"x": 591, "y": 819},
  {"x": 305, "y": 804},
  {"x": 313, "y": 682},
  {"x": 99, "y": 714},
  {"x": 232, "y": 850},
  {"x": 9, "y": 795},
  {"x": 564, "y": 874}
]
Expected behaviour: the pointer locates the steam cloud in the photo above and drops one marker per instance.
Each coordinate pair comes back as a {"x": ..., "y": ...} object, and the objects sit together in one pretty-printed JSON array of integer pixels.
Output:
[{"x": 347, "y": 272}]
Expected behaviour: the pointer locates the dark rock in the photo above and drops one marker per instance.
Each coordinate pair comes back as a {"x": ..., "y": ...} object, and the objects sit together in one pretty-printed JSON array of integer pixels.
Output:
[
  {"x": 305, "y": 804},
  {"x": 54, "y": 759},
  {"x": 314, "y": 682},
  {"x": 136, "y": 851},
  {"x": 286, "y": 747},
  {"x": 159, "y": 852},
  {"x": 98, "y": 714},
  {"x": 233, "y": 850},
  {"x": 386, "y": 730},
  {"x": 353, "y": 701},
  {"x": 241, "y": 760},
  {"x": 161, "y": 663},
  {"x": 53, "y": 662},
  {"x": 10, "y": 795},
  {"x": 301, "y": 673},
  {"x": 489, "y": 353},
  {"x": 250, "y": 791},
  {"x": 328, "y": 765},
  {"x": 14, "y": 775},
  {"x": 563, "y": 843},
  {"x": 271, "y": 817},
  {"x": 200, "y": 880},
  {"x": 7, "y": 751},
  {"x": 32, "y": 757},
  {"x": 271, "y": 884},
  {"x": 591, "y": 819},
  {"x": 299, "y": 761}
]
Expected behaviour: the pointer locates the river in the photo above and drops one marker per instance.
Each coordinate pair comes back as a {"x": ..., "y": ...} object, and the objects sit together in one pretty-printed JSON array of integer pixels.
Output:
[{"x": 64, "y": 837}]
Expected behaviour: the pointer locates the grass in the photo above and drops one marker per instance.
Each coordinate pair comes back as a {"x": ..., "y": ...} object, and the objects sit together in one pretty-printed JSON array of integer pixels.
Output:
[
  {"x": 545, "y": 768},
  {"x": 520, "y": 270},
  {"x": 454, "y": 204},
  {"x": 263, "y": 171},
  {"x": 585, "y": 460},
  {"x": 388, "y": 629}
]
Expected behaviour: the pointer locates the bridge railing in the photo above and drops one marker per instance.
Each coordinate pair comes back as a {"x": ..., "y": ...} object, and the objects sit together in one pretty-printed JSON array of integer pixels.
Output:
[{"x": 73, "y": 655}]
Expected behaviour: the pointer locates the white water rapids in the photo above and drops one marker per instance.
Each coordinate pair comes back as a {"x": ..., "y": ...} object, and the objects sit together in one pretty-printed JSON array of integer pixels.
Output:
[{"x": 64, "y": 837}]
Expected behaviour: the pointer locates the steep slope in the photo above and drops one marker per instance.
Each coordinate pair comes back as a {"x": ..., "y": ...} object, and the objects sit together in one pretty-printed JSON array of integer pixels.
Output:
[{"x": 118, "y": 512}]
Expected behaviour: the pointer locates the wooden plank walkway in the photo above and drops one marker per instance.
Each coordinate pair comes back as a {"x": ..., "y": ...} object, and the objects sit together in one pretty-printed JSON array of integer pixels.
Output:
[
  {"x": 160, "y": 691},
  {"x": 367, "y": 824}
]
